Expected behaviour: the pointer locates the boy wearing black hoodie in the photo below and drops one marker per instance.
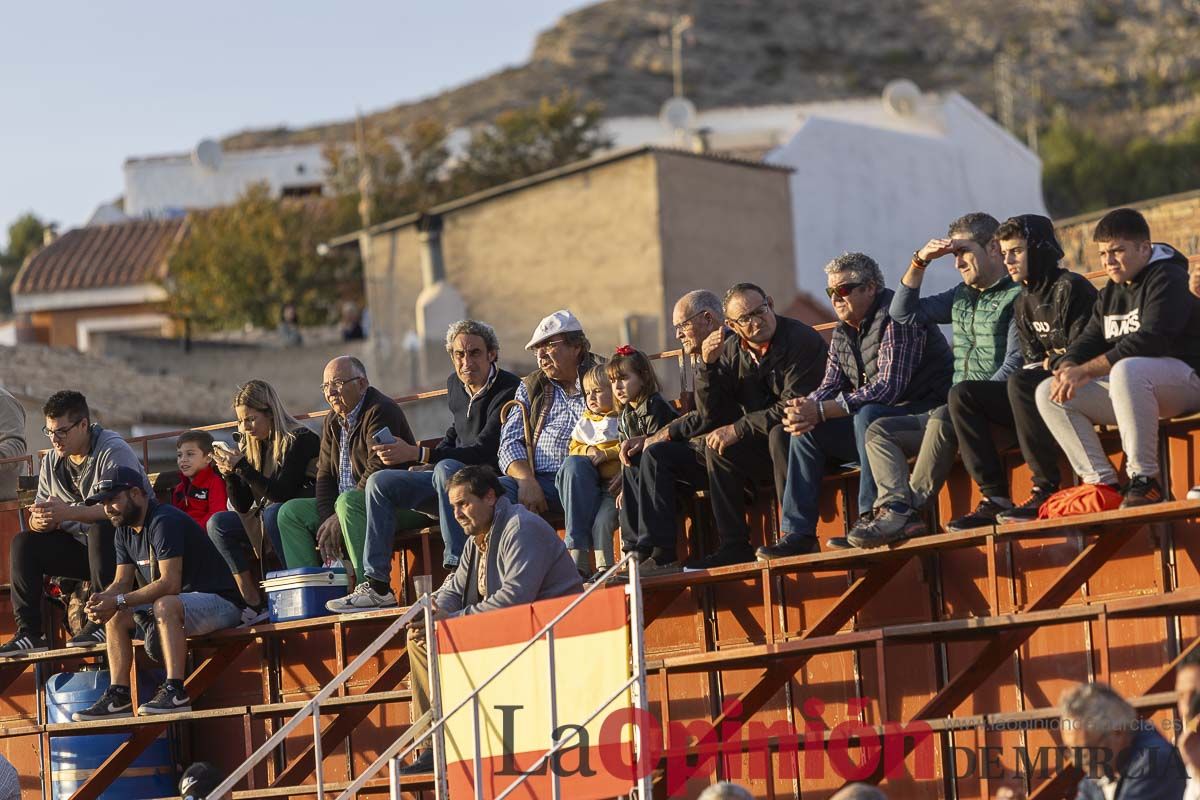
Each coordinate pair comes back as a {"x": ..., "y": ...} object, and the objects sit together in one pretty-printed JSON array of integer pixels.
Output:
[
  {"x": 1050, "y": 313},
  {"x": 1134, "y": 363}
]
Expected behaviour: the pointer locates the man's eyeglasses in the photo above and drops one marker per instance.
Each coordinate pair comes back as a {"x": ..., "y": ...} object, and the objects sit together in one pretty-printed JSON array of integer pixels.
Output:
[
  {"x": 542, "y": 347},
  {"x": 58, "y": 434},
  {"x": 335, "y": 387},
  {"x": 744, "y": 319},
  {"x": 679, "y": 328},
  {"x": 843, "y": 289}
]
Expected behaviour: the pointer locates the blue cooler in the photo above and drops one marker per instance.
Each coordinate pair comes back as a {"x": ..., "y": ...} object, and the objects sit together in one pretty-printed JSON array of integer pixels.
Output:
[
  {"x": 74, "y": 758},
  {"x": 302, "y": 593}
]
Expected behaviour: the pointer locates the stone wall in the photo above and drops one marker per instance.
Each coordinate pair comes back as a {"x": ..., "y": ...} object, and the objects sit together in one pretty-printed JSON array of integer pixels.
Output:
[{"x": 1174, "y": 219}]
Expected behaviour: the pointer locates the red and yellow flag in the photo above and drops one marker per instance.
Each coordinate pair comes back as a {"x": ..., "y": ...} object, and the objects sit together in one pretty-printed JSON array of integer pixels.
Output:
[{"x": 592, "y": 660}]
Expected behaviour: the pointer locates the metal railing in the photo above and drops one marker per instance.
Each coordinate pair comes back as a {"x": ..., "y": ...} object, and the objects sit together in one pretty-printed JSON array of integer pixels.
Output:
[
  {"x": 313, "y": 707},
  {"x": 406, "y": 744}
]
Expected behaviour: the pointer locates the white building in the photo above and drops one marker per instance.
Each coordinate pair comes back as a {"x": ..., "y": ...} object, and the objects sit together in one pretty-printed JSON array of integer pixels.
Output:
[
  {"x": 208, "y": 177},
  {"x": 869, "y": 179}
]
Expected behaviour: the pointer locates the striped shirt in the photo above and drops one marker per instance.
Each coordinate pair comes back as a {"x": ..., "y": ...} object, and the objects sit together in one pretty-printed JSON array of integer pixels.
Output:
[
  {"x": 346, "y": 480},
  {"x": 10, "y": 782},
  {"x": 899, "y": 354},
  {"x": 555, "y": 440}
]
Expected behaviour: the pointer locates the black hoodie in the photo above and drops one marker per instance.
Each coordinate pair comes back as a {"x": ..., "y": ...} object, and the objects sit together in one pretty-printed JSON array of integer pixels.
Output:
[
  {"x": 1055, "y": 304},
  {"x": 1153, "y": 316}
]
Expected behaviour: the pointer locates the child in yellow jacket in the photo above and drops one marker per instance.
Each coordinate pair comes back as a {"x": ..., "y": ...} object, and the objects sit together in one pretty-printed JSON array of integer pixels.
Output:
[{"x": 597, "y": 438}]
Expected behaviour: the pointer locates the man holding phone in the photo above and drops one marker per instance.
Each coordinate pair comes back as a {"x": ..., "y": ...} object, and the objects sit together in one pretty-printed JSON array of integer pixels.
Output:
[
  {"x": 476, "y": 393},
  {"x": 66, "y": 538},
  {"x": 313, "y": 529}
]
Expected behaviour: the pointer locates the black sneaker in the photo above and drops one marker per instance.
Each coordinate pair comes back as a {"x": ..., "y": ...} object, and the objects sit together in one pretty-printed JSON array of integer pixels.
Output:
[
  {"x": 1028, "y": 510},
  {"x": 422, "y": 765},
  {"x": 889, "y": 525},
  {"x": 984, "y": 516},
  {"x": 146, "y": 623},
  {"x": 722, "y": 558},
  {"x": 25, "y": 642},
  {"x": 1143, "y": 491},
  {"x": 115, "y": 702},
  {"x": 91, "y": 634},
  {"x": 167, "y": 700},
  {"x": 789, "y": 546}
]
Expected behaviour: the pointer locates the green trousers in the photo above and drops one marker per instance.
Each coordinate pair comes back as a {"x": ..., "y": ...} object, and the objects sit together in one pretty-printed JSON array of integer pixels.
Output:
[{"x": 298, "y": 523}]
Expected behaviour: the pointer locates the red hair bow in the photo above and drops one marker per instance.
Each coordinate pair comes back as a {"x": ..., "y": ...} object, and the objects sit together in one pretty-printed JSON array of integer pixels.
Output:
[{"x": 625, "y": 350}]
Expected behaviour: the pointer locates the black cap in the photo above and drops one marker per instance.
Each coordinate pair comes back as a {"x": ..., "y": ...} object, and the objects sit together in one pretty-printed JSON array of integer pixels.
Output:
[
  {"x": 115, "y": 481},
  {"x": 199, "y": 780}
]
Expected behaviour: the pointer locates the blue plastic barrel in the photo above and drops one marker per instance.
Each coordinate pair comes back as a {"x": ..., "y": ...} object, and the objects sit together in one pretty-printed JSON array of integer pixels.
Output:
[{"x": 74, "y": 758}]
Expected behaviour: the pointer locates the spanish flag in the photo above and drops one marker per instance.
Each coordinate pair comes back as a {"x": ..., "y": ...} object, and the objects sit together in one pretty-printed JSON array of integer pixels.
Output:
[{"x": 591, "y": 661}]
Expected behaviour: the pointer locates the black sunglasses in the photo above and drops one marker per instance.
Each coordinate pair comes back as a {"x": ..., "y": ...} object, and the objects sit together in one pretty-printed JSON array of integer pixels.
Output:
[{"x": 843, "y": 289}]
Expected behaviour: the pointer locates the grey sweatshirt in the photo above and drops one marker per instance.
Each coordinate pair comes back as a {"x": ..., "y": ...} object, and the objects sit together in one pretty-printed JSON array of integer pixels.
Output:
[
  {"x": 526, "y": 561},
  {"x": 108, "y": 451}
]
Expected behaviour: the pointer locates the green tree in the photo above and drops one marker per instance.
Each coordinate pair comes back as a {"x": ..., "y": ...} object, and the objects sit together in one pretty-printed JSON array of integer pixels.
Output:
[
  {"x": 25, "y": 235},
  {"x": 525, "y": 142},
  {"x": 238, "y": 265},
  {"x": 406, "y": 174}
]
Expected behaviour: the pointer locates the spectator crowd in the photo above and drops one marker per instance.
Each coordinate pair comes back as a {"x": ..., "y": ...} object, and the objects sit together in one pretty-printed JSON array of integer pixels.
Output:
[{"x": 1036, "y": 359}]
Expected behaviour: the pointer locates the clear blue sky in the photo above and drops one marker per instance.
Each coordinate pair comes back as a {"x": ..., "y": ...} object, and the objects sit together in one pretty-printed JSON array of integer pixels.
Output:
[{"x": 83, "y": 85}]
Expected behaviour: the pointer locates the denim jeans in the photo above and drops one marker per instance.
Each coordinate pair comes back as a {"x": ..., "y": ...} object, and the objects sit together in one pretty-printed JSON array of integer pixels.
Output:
[
  {"x": 394, "y": 490},
  {"x": 228, "y": 534},
  {"x": 575, "y": 491},
  {"x": 840, "y": 441}
]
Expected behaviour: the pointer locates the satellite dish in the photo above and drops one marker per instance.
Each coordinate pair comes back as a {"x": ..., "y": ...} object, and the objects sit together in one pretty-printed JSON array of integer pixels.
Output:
[
  {"x": 901, "y": 97},
  {"x": 207, "y": 155},
  {"x": 678, "y": 114}
]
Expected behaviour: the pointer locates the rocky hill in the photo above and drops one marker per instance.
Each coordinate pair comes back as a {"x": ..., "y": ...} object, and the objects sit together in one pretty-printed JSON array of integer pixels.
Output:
[{"x": 1105, "y": 62}]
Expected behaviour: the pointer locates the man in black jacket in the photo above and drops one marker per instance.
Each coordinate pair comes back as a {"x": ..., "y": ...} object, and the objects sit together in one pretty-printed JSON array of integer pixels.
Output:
[
  {"x": 1050, "y": 313},
  {"x": 476, "y": 392},
  {"x": 657, "y": 465},
  {"x": 877, "y": 368},
  {"x": 742, "y": 387},
  {"x": 1134, "y": 363}
]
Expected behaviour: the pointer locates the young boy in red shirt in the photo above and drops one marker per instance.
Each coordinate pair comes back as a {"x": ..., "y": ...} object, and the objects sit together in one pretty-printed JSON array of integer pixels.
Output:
[{"x": 201, "y": 491}]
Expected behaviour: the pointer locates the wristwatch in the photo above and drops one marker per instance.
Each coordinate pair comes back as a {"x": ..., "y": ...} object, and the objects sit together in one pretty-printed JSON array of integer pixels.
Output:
[{"x": 121, "y": 604}]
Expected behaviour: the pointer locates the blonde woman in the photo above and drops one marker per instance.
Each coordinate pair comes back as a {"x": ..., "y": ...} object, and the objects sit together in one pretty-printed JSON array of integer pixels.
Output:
[{"x": 274, "y": 463}]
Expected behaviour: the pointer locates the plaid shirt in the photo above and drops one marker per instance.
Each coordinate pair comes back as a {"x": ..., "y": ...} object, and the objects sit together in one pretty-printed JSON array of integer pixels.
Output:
[
  {"x": 553, "y": 444},
  {"x": 346, "y": 480},
  {"x": 900, "y": 351}
]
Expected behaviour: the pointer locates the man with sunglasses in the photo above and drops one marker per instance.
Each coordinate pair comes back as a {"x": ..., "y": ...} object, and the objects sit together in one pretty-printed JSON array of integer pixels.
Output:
[
  {"x": 313, "y": 529},
  {"x": 877, "y": 368},
  {"x": 66, "y": 538},
  {"x": 985, "y": 347},
  {"x": 742, "y": 388}
]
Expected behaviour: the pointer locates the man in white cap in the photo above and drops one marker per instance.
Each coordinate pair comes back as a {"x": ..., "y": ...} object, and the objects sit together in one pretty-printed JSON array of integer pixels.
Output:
[{"x": 537, "y": 430}]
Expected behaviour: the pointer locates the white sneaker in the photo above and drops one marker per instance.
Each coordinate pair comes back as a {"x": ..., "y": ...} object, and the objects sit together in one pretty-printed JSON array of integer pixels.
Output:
[
  {"x": 1194, "y": 494},
  {"x": 363, "y": 598}
]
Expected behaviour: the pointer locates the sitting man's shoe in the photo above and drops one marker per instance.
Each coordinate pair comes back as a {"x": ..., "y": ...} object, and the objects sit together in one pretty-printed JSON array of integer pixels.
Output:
[
  {"x": 115, "y": 702},
  {"x": 984, "y": 516},
  {"x": 789, "y": 546},
  {"x": 421, "y": 766},
  {"x": 1194, "y": 493},
  {"x": 1027, "y": 511},
  {"x": 838, "y": 543},
  {"x": 25, "y": 642},
  {"x": 660, "y": 560},
  {"x": 252, "y": 615},
  {"x": 722, "y": 558},
  {"x": 144, "y": 619},
  {"x": 363, "y": 598},
  {"x": 890, "y": 525},
  {"x": 169, "y": 699},
  {"x": 90, "y": 634},
  {"x": 864, "y": 519},
  {"x": 1143, "y": 491}
]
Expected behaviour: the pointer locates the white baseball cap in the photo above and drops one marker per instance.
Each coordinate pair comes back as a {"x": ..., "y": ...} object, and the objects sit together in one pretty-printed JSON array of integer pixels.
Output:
[{"x": 561, "y": 321}]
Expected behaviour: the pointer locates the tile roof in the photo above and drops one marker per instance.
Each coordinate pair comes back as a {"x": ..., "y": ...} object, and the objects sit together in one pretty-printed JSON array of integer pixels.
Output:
[{"x": 101, "y": 257}]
